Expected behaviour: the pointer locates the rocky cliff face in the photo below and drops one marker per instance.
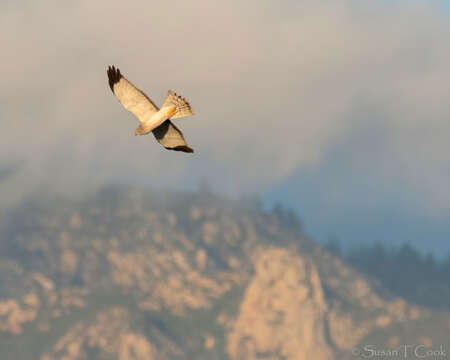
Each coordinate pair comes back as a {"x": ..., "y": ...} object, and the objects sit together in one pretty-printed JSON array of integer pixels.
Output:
[
  {"x": 282, "y": 313},
  {"x": 138, "y": 274}
]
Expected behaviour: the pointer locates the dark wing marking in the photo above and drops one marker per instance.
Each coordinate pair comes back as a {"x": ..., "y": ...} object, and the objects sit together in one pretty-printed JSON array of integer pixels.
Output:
[{"x": 132, "y": 99}]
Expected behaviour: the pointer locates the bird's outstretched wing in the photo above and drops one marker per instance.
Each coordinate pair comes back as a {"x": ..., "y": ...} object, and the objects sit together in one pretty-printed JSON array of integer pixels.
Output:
[
  {"x": 132, "y": 99},
  {"x": 169, "y": 136}
]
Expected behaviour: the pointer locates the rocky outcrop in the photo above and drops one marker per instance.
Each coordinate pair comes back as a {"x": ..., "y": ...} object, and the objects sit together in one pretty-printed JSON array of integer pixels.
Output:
[
  {"x": 14, "y": 314},
  {"x": 110, "y": 334},
  {"x": 282, "y": 314}
]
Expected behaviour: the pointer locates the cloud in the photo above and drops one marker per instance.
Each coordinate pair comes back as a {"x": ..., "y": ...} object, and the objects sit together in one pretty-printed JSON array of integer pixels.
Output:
[{"x": 274, "y": 86}]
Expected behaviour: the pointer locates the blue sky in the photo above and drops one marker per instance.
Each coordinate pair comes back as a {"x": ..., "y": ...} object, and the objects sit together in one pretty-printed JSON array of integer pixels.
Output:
[
  {"x": 445, "y": 4},
  {"x": 336, "y": 201},
  {"x": 346, "y": 196}
]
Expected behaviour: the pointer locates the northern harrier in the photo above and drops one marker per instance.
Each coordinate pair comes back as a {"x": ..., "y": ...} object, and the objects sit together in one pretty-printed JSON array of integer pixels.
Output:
[{"x": 152, "y": 118}]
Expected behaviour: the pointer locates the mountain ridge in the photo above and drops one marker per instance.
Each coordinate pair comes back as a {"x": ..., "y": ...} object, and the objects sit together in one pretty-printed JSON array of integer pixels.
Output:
[{"x": 133, "y": 273}]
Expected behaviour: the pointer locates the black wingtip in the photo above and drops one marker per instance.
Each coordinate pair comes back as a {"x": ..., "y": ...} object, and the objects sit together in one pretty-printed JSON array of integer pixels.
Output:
[
  {"x": 114, "y": 76},
  {"x": 183, "y": 148}
]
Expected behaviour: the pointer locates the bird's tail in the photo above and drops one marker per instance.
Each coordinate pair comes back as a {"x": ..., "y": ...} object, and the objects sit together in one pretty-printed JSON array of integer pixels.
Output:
[{"x": 182, "y": 107}]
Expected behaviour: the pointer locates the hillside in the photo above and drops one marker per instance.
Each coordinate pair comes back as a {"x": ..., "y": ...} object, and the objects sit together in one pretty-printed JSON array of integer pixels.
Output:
[{"x": 131, "y": 273}]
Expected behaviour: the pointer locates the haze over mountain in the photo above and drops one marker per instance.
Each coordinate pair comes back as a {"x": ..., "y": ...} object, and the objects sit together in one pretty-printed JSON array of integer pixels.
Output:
[{"x": 349, "y": 101}]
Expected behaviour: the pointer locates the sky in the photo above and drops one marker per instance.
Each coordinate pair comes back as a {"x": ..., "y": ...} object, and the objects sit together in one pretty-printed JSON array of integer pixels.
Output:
[{"x": 338, "y": 109}]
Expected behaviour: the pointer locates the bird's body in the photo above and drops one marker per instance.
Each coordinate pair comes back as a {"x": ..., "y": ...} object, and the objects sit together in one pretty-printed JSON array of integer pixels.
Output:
[
  {"x": 151, "y": 118},
  {"x": 155, "y": 120}
]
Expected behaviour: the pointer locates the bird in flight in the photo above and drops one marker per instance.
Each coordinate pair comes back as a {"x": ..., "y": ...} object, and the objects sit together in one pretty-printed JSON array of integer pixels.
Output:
[{"x": 150, "y": 117}]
